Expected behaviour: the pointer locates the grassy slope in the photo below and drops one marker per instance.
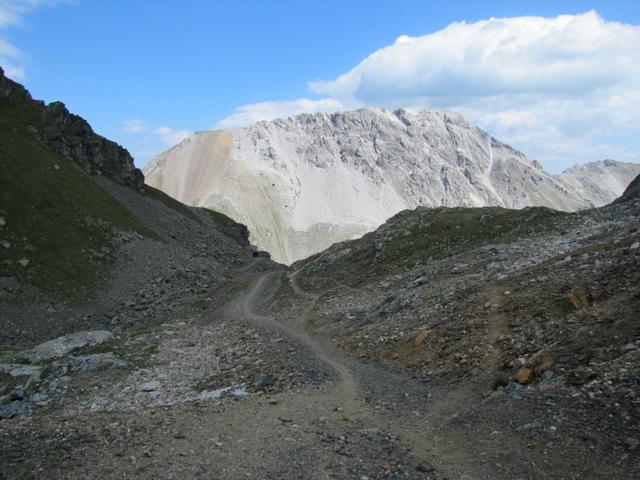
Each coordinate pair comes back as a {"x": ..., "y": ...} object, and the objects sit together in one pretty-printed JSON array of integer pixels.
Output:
[
  {"x": 447, "y": 231},
  {"x": 55, "y": 215},
  {"x": 419, "y": 235}
]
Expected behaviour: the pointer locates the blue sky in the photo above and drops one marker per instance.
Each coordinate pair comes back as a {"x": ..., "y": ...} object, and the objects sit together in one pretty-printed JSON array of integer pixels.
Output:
[{"x": 146, "y": 73}]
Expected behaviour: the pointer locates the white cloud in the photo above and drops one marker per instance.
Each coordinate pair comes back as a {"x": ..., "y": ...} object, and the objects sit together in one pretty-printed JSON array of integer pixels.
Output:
[
  {"x": 135, "y": 126},
  {"x": 10, "y": 59},
  {"x": 11, "y": 13},
  {"x": 562, "y": 89},
  {"x": 168, "y": 136},
  {"x": 163, "y": 135},
  {"x": 147, "y": 140},
  {"x": 555, "y": 87},
  {"x": 171, "y": 137},
  {"x": 569, "y": 55},
  {"x": 255, "y": 112}
]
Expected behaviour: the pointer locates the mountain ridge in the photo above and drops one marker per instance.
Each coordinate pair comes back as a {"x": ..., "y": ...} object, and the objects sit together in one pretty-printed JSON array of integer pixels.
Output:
[
  {"x": 393, "y": 160},
  {"x": 72, "y": 137}
]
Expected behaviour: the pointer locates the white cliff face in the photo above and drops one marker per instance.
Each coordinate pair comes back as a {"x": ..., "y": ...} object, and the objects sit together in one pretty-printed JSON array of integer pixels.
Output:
[{"x": 304, "y": 183}]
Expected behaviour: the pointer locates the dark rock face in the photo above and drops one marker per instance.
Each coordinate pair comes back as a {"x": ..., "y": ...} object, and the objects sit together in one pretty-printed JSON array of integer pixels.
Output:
[
  {"x": 632, "y": 191},
  {"x": 12, "y": 90},
  {"x": 73, "y": 138}
]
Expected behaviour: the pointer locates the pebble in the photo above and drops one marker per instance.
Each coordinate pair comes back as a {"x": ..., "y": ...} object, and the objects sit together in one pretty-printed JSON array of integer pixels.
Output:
[
  {"x": 524, "y": 376},
  {"x": 424, "y": 467},
  {"x": 632, "y": 443},
  {"x": 39, "y": 398},
  {"x": 265, "y": 381},
  {"x": 16, "y": 394},
  {"x": 150, "y": 386},
  {"x": 528, "y": 426}
]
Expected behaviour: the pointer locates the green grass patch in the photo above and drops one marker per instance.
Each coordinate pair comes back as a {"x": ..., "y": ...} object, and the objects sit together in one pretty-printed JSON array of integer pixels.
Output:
[
  {"x": 421, "y": 235},
  {"x": 239, "y": 284},
  {"x": 56, "y": 217},
  {"x": 200, "y": 305}
]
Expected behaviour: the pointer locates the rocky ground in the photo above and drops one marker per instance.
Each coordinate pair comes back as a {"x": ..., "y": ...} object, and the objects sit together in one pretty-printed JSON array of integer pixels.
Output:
[
  {"x": 219, "y": 393},
  {"x": 430, "y": 354},
  {"x": 505, "y": 360}
]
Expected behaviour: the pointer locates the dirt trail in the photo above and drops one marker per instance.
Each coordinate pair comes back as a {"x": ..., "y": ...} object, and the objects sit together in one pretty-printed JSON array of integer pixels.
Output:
[
  {"x": 249, "y": 307},
  {"x": 362, "y": 388},
  {"x": 348, "y": 373}
]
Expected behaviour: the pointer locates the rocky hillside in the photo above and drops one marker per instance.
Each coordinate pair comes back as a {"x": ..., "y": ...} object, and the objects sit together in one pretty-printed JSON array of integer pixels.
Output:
[
  {"x": 330, "y": 177},
  {"x": 83, "y": 242},
  {"x": 525, "y": 323}
]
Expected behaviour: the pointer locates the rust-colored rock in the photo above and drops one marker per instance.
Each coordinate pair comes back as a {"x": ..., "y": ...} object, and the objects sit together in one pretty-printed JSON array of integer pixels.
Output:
[
  {"x": 576, "y": 300},
  {"x": 543, "y": 365},
  {"x": 524, "y": 376}
]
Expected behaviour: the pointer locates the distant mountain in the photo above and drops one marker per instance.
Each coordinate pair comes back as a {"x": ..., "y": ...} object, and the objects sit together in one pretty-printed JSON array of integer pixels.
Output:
[
  {"x": 600, "y": 182},
  {"x": 304, "y": 183}
]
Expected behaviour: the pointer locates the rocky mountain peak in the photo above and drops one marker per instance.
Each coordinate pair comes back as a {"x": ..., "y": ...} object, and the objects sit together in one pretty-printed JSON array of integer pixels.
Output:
[
  {"x": 73, "y": 138},
  {"x": 305, "y": 182},
  {"x": 12, "y": 90}
]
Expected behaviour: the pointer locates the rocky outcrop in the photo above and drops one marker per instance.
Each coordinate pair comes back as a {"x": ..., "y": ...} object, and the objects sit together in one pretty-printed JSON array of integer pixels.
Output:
[
  {"x": 73, "y": 138},
  {"x": 303, "y": 183},
  {"x": 13, "y": 91}
]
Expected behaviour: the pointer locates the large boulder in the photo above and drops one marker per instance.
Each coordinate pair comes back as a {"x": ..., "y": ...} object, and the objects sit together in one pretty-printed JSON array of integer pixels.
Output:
[{"x": 61, "y": 346}]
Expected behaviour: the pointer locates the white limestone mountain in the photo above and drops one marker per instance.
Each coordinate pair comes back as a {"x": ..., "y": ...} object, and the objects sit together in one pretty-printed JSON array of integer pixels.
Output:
[
  {"x": 303, "y": 183},
  {"x": 600, "y": 182}
]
